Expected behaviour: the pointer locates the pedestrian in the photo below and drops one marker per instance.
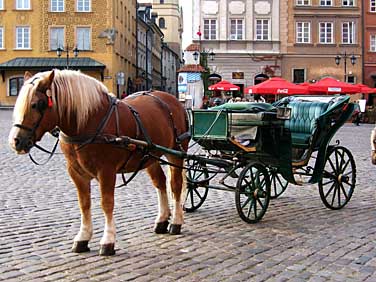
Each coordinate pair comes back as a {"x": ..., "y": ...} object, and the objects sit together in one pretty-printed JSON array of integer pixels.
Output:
[
  {"x": 258, "y": 98},
  {"x": 123, "y": 95}
]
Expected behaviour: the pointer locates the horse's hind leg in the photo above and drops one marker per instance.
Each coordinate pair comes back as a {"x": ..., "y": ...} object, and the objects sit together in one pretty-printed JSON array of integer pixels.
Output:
[
  {"x": 82, "y": 182},
  {"x": 159, "y": 181},
  {"x": 177, "y": 183}
]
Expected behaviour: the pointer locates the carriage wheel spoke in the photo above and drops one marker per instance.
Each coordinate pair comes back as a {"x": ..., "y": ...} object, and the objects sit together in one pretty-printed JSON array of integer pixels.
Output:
[
  {"x": 342, "y": 160},
  {"x": 250, "y": 207},
  {"x": 261, "y": 204},
  {"x": 330, "y": 189},
  {"x": 255, "y": 209},
  {"x": 337, "y": 162},
  {"x": 339, "y": 195},
  {"x": 330, "y": 181},
  {"x": 197, "y": 193},
  {"x": 334, "y": 193},
  {"x": 246, "y": 202},
  {"x": 344, "y": 191},
  {"x": 192, "y": 199},
  {"x": 344, "y": 168},
  {"x": 332, "y": 165}
]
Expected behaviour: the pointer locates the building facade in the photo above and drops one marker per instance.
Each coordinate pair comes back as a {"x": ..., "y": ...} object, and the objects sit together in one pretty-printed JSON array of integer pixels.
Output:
[
  {"x": 103, "y": 31},
  {"x": 243, "y": 34},
  {"x": 314, "y": 33},
  {"x": 369, "y": 42}
]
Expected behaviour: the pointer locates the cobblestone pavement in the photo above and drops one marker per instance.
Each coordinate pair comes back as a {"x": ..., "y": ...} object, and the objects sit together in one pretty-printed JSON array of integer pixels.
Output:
[{"x": 297, "y": 240}]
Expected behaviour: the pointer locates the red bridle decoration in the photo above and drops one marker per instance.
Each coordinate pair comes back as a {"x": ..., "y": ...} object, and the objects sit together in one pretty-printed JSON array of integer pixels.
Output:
[{"x": 50, "y": 102}]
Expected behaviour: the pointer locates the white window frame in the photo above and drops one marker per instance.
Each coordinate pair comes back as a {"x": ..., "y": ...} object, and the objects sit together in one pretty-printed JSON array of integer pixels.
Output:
[
  {"x": 23, "y": 44},
  {"x": 260, "y": 34},
  {"x": 239, "y": 32},
  {"x": 372, "y": 43},
  {"x": 303, "y": 3},
  {"x": 351, "y": 32},
  {"x": 58, "y": 44},
  {"x": 90, "y": 38},
  {"x": 23, "y": 5},
  {"x": 300, "y": 34},
  {"x": 1, "y": 4},
  {"x": 326, "y": 3},
  {"x": 17, "y": 77},
  {"x": 59, "y": 8},
  {"x": 85, "y": 9},
  {"x": 2, "y": 38},
  {"x": 326, "y": 41},
  {"x": 209, "y": 30},
  {"x": 348, "y": 3},
  {"x": 372, "y": 6}
]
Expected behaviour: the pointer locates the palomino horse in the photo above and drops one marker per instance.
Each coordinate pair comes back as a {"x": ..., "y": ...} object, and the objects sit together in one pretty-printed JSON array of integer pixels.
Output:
[{"x": 88, "y": 118}]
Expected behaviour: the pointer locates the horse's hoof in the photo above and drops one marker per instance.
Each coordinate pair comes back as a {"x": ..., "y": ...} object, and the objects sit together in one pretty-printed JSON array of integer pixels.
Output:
[
  {"x": 107, "y": 250},
  {"x": 80, "y": 247},
  {"x": 175, "y": 229},
  {"x": 161, "y": 227}
]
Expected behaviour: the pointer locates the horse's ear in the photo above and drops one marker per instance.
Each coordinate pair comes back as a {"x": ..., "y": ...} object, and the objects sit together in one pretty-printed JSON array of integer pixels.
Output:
[
  {"x": 51, "y": 78},
  {"x": 45, "y": 84},
  {"x": 27, "y": 75}
]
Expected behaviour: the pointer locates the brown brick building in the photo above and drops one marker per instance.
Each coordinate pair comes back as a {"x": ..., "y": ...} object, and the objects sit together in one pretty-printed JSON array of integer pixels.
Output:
[
  {"x": 314, "y": 32},
  {"x": 369, "y": 43}
]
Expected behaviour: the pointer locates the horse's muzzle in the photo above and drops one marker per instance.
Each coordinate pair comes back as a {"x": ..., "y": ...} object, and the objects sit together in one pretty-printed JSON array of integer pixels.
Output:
[{"x": 21, "y": 144}]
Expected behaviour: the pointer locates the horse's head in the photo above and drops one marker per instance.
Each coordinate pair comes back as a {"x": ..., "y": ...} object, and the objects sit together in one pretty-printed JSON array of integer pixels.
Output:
[{"x": 34, "y": 113}]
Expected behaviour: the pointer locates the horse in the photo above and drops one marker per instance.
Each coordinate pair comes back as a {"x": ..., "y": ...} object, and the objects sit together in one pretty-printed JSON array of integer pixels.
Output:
[
  {"x": 92, "y": 126},
  {"x": 373, "y": 146}
]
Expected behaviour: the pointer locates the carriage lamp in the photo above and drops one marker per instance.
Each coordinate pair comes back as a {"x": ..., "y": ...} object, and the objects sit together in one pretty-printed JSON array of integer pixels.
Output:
[{"x": 345, "y": 56}]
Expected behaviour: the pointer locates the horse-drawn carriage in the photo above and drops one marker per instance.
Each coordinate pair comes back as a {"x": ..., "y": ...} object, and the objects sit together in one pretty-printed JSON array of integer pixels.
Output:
[
  {"x": 264, "y": 148},
  {"x": 255, "y": 151}
]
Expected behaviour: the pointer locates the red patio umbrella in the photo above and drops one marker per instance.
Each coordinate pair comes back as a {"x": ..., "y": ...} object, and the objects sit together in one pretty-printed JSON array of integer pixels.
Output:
[
  {"x": 366, "y": 89},
  {"x": 329, "y": 85},
  {"x": 276, "y": 85},
  {"x": 224, "y": 85}
]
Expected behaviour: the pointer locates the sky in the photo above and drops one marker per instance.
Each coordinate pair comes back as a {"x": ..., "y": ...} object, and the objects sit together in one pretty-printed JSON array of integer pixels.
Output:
[{"x": 187, "y": 24}]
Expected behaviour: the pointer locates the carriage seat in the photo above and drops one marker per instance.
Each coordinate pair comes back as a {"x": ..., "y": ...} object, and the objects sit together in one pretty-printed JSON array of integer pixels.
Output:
[{"x": 303, "y": 121}]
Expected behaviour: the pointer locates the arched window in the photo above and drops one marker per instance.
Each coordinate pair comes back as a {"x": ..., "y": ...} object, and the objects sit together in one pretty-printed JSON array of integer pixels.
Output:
[{"x": 162, "y": 23}]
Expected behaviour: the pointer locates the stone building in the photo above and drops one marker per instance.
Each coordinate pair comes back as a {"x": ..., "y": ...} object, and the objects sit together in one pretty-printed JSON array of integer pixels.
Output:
[
  {"x": 369, "y": 42},
  {"x": 31, "y": 32},
  {"x": 243, "y": 34}
]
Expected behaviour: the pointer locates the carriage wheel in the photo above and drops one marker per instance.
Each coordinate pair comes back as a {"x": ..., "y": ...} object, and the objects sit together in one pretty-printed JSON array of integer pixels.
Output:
[
  {"x": 278, "y": 183},
  {"x": 339, "y": 176},
  {"x": 197, "y": 181},
  {"x": 252, "y": 193}
]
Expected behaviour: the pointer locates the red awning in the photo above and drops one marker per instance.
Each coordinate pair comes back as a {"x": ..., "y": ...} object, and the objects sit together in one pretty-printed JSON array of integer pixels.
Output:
[
  {"x": 276, "y": 85},
  {"x": 366, "y": 89},
  {"x": 224, "y": 85},
  {"x": 329, "y": 85}
]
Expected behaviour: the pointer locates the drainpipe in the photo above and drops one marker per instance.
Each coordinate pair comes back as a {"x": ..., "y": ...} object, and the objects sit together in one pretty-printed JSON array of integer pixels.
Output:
[{"x": 363, "y": 33}]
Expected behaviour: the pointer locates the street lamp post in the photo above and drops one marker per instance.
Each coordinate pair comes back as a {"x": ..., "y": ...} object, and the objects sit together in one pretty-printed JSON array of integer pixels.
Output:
[
  {"x": 60, "y": 50},
  {"x": 345, "y": 57}
]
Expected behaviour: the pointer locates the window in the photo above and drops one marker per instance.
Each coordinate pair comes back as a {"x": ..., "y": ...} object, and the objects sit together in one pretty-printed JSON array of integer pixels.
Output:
[
  {"x": 262, "y": 29},
  {"x": 83, "y": 38},
  {"x": 162, "y": 23},
  {"x": 56, "y": 37},
  {"x": 1, "y": 4},
  {"x": 298, "y": 75},
  {"x": 83, "y": 5},
  {"x": 22, "y": 37},
  {"x": 372, "y": 43},
  {"x": 372, "y": 5},
  {"x": 350, "y": 79},
  {"x": 15, "y": 85},
  {"x": 57, "y": 5},
  {"x": 1, "y": 37},
  {"x": 210, "y": 29},
  {"x": 23, "y": 4},
  {"x": 348, "y": 33},
  {"x": 303, "y": 2},
  {"x": 303, "y": 32},
  {"x": 325, "y": 2},
  {"x": 161, "y": 2},
  {"x": 348, "y": 3},
  {"x": 326, "y": 33},
  {"x": 236, "y": 29}
]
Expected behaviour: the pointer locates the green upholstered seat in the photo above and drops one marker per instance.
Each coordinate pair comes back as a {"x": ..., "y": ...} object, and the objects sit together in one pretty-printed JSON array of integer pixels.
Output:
[{"x": 303, "y": 120}]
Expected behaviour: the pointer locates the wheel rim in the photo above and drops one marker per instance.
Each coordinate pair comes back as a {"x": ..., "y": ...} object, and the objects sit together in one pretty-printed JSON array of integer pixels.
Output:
[
  {"x": 253, "y": 193},
  {"x": 197, "y": 179},
  {"x": 339, "y": 177},
  {"x": 278, "y": 184}
]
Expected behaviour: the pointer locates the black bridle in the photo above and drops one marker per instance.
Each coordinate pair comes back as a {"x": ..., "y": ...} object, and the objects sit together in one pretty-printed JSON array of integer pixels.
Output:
[{"x": 41, "y": 106}]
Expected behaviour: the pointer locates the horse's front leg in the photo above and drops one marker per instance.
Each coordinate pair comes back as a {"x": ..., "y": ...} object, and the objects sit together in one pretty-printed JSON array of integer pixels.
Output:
[
  {"x": 82, "y": 182},
  {"x": 107, "y": 187},
  {"x": 373, "y": 146}
]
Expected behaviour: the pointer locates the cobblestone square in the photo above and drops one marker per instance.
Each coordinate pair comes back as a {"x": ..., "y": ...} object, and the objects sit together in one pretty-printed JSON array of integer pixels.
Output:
[{"x": 297, "y": 240}]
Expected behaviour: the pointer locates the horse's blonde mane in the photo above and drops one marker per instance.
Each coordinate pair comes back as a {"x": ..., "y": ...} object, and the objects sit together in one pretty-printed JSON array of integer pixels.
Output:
[{"x": 73, "y": 93}]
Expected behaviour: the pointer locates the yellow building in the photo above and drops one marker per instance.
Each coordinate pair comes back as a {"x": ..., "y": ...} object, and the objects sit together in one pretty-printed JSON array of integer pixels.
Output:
[{"x": 31, "y": 32}]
